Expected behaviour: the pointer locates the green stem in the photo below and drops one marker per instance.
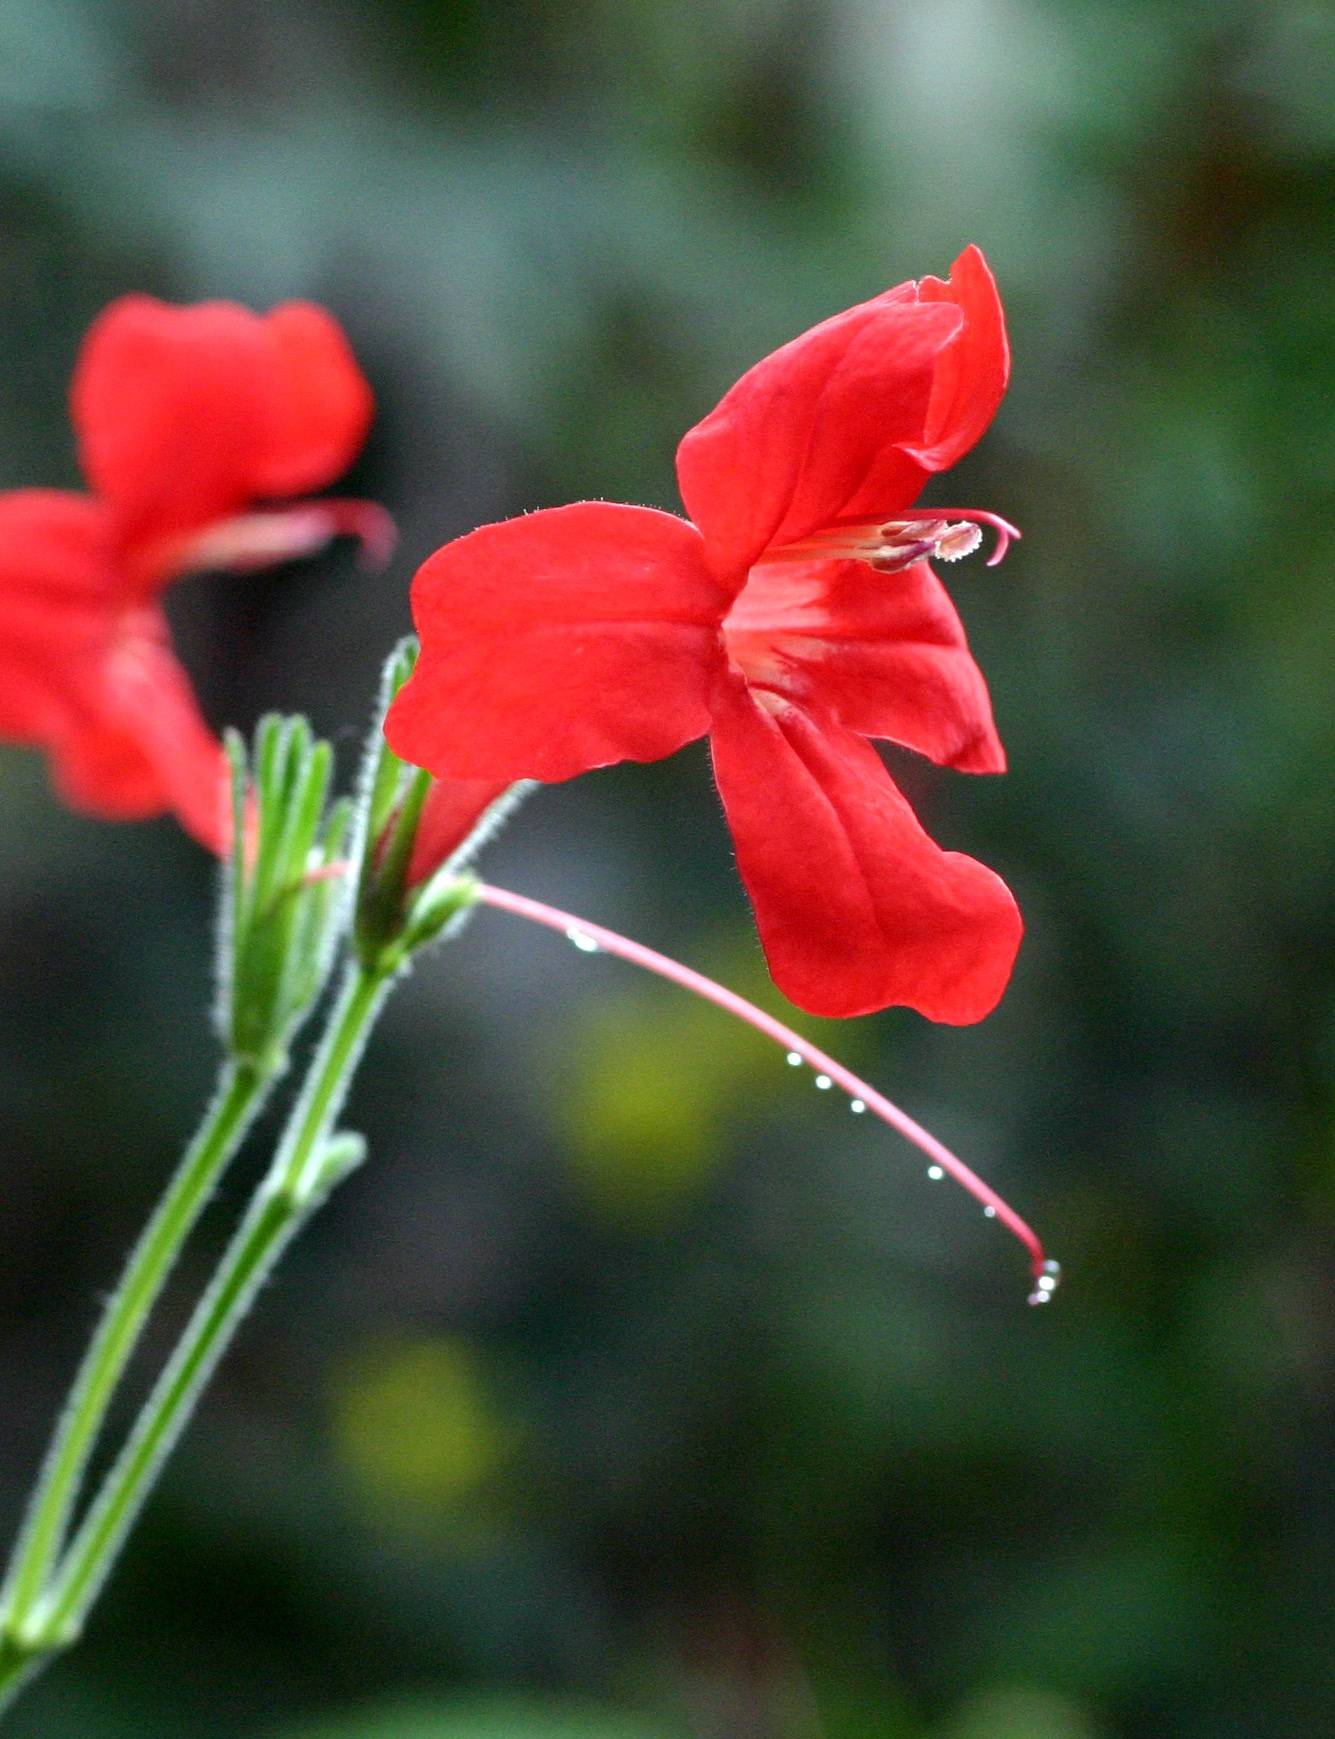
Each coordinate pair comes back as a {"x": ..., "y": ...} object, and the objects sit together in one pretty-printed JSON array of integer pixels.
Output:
[
  {"x": 326, "y": 1087},
  {"x": 240, "y": 1094},
  {"x": 307, "y": 1165}
]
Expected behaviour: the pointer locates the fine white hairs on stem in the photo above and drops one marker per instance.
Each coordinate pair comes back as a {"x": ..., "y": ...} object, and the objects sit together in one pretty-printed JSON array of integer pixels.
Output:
[{"x": 829, "y": 1072}]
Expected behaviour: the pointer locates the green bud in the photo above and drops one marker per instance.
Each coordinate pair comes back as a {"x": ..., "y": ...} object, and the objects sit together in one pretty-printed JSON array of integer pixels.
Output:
[
  {"x": 286, "y": 889},
  {"x": 408, "y": 896}
]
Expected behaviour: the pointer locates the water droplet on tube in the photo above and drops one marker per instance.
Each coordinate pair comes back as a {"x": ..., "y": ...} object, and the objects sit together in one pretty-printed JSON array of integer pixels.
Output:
[
  {"x": 1047, "y": 1283},
  {"x": 582, "y": 940}
]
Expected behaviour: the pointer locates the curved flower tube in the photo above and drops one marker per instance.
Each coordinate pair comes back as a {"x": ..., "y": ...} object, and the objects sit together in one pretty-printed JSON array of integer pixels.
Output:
[{"x": 591, "y": 938}]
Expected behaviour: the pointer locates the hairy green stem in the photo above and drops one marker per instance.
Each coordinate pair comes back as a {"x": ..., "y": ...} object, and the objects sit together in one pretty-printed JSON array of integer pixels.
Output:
[
  {"x": 307, "y": 1165},
  {"x": 240, "y": 1094}
]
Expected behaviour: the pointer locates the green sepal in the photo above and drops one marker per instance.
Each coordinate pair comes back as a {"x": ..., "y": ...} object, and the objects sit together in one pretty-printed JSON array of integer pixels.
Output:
[
  {"x": 341, "y": 1154},
  {"x": 443, "y": 902},
  {"x": 392, "y": 919}
]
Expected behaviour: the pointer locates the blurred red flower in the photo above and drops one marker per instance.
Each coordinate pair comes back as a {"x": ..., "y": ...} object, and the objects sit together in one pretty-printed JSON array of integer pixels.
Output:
[
  {"x": 184, "y": 417},
  {"x": 596, "y": 633}
]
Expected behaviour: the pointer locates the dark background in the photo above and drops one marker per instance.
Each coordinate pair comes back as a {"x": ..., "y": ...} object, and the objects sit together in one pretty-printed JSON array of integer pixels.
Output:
[{"x": 635, "y": 1391}]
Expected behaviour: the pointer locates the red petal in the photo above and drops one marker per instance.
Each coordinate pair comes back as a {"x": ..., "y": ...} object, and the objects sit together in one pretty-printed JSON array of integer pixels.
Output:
[
  {"x": 857, "y": 908},
  {"x": 185, "y": 415},
  {"x": 91, "y": 677},
  {"x": 559, "y": 642},
  {"x": 815, "y": 433},
  {"x": 973, "y": 371},
  {"x": 320, "y": 406},
  {"x": 55, "y": 548},
  {"x": 59, "y": 604},
  {"x": 169, "y": 405},
  {"x": 139, "y": 746},
  {"x": 884, "y": 653}
]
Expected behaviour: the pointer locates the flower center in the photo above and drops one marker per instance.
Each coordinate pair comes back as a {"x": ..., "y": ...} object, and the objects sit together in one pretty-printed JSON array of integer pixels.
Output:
[
  {"x": 780, "y": 622},
  {"x": 889, "y": 545}
]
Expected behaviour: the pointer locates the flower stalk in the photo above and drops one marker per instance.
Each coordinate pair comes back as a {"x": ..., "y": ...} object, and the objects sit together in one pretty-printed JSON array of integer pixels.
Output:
[
  {"x": 241, "y": 1092},
  {"x": 310, "y": 1162}
]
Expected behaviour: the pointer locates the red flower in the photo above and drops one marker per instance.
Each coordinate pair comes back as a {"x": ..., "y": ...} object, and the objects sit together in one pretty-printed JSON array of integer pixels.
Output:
[
  {"x": 185, "y": 417},
  {"x": 796, "y": 617}
]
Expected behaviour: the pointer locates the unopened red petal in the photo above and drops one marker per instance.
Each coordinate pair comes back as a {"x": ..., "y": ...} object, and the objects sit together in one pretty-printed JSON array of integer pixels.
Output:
[
  {"x": 452, "y": 813},
  {"x": 558, "y": 642},
  {"x": 857, "y": 907}
]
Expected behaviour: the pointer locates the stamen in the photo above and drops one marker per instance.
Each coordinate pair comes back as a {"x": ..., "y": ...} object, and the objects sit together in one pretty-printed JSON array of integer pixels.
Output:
[
  {"x": 864, "y": 1098},
  {"x": 948, "y": 533},
  {"x": 258, "y": 540}
]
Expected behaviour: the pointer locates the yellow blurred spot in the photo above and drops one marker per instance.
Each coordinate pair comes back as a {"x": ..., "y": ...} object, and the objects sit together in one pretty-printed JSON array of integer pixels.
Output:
[
  {"x": 653, "y": 1083},
  {"x": 417, "y": 1425},
  {"x": 641, "y": 1110}
]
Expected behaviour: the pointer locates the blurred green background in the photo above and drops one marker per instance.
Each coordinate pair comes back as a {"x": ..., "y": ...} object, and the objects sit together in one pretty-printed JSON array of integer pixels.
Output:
[{"x": 635, "y": 1391}]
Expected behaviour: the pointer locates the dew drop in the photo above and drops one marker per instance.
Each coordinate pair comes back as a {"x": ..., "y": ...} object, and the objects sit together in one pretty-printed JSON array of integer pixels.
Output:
[
  {"x": 857, "y": 1107},
  {"x": 1047, "y": 1283},
  {"x": 990, "y": 1211},
  {"x": 582, "y": 940},
  {"x": 824, "y": 1083},
  {"x": 794, "y": 1059},
  {"x": 935, "y": 1173}
]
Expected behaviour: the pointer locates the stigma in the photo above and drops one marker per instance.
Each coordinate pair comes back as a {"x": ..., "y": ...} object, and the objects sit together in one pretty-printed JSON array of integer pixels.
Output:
[{"x": 948, "y": 534}]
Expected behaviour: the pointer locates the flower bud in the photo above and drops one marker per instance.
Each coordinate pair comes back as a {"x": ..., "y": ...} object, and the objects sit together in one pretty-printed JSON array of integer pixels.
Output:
[
  {"x": 417, "y": 834},
  {"x": 286, "y": 876}
]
